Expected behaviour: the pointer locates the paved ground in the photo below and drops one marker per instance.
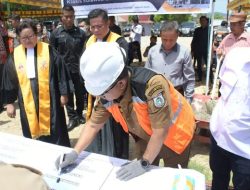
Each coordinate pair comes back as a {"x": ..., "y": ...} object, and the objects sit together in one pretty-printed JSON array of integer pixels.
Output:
[{"x": 199, "y": 151}]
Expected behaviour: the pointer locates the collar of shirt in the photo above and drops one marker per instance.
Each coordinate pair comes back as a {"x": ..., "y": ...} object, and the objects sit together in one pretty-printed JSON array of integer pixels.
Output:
[
  {"x": 242, "y": 36},
  {"x": 168, "y": 52}
]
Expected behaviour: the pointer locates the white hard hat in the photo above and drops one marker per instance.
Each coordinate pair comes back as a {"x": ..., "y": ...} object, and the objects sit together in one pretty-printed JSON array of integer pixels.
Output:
[{"x": 100, "y": 66}]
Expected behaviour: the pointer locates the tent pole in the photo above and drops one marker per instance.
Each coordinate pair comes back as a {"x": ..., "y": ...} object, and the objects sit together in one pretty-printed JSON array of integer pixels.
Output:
[
  {"x": 210, "y": 45},
  {"x": 227, "y": 10}
]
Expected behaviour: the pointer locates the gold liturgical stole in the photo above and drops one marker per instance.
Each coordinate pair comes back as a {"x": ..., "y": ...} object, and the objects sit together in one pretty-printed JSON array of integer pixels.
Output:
[{"x": 38, "y": 126}]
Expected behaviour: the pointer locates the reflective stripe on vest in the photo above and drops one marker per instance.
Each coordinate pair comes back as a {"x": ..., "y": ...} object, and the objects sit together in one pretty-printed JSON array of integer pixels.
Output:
[
  {"x": 177, "y": 112},
  {"x": 38, "y": 126},
  {"x": 180, "y": 128},
  {"x": 113, "y": 37}
]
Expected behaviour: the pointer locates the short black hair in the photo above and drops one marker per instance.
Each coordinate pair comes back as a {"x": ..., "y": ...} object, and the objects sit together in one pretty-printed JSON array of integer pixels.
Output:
[
  {"x": 224, "y": 23},
  {"x": 39, "y": 23},
  {"x": 112, "y": 18},
  {"x": 27, "y": 23},
  {"x": 135, "y": 19},
  {"x": 153, "y": 37},
  {"x": 204, "y": 17},
  {"x": 15, "y": 17},
  {"x": 68, "y": 8},
  {"x": 98, "y": 12}
]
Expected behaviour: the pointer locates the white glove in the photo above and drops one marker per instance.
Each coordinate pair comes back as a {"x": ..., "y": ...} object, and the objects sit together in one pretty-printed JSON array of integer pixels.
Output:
[
  {"x": 131, "y": 170},
  {"x": 69, "y": 159}
]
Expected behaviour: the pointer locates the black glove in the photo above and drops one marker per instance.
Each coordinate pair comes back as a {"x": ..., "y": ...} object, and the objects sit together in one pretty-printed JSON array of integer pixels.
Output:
[
  {"x": 68, "y": 159},
  {"x": 131, "y": 170}
]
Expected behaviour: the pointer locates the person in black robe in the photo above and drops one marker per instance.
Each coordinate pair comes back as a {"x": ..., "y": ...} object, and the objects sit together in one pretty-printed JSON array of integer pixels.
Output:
[{"x": 59, "y": 88}]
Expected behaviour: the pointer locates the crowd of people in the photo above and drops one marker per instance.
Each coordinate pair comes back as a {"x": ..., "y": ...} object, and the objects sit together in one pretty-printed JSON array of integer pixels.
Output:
[{"x": 88, "y": 67}]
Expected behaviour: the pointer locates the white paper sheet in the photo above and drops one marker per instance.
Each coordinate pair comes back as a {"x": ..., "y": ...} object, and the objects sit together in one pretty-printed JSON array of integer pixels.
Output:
[{"x": 92, "y": 171}]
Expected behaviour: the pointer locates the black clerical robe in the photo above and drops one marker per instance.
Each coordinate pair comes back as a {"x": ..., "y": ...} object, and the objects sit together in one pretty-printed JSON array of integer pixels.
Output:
[{"x": 58, "y": 85}]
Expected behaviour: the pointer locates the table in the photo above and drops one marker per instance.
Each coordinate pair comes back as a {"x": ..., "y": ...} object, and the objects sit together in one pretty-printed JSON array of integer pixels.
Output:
[{"x": 91, "y": 171}]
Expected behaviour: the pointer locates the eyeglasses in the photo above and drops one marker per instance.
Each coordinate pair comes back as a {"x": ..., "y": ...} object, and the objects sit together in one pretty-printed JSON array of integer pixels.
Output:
[
  {"x": 26, "y": 38},
  {"x": 110, "y": 88}
]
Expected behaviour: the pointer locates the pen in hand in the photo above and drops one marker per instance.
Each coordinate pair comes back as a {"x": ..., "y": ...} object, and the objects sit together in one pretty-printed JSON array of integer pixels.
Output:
[{"x": 62, "y": 157}]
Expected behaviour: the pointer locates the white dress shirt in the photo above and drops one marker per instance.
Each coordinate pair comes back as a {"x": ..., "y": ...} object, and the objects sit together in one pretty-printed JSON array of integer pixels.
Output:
[
  {"x": 136, "y": 32},
  {"x": 30, "y": 64},
  {"x": 230, "y": 121}
]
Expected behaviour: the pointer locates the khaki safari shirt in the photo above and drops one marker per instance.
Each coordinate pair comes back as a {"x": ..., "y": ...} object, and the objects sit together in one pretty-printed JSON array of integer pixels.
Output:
[{"x": 159, "y": 115}]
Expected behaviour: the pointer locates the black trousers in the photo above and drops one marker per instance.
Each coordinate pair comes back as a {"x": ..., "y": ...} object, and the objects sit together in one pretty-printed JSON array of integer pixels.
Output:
[
  {"x": 200, "y": 58},
  {"x": 79, "y": 93},
  {"x": 134, "y": 52},
  {"x": 222, "y": 163}
]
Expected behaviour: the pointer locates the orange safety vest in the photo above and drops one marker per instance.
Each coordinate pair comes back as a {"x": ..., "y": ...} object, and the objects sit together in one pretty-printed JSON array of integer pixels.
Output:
[
  {"x": 39, "y": 126},
  {"x": 113, "y": 37},
  {"x": 181, "y": 126}
]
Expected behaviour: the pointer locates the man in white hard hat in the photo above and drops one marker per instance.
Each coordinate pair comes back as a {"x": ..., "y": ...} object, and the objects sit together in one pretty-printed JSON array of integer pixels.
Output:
[{"x": 146, "y": 105}]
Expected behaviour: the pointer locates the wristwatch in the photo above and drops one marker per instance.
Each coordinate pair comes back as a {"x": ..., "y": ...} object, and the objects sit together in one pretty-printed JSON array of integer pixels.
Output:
[{"x": 144, "y": 163}]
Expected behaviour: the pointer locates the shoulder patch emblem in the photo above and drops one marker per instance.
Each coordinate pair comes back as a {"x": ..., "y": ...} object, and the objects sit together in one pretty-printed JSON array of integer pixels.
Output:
[
  {"x": 159, "y": 101},
  {"x": 159, "y": 87}
]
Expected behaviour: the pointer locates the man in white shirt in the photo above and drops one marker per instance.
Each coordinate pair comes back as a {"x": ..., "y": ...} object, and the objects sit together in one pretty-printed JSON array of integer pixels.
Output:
[
  {"x": 230, "y": 123},
  {"x": 135, "y": 40}
]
